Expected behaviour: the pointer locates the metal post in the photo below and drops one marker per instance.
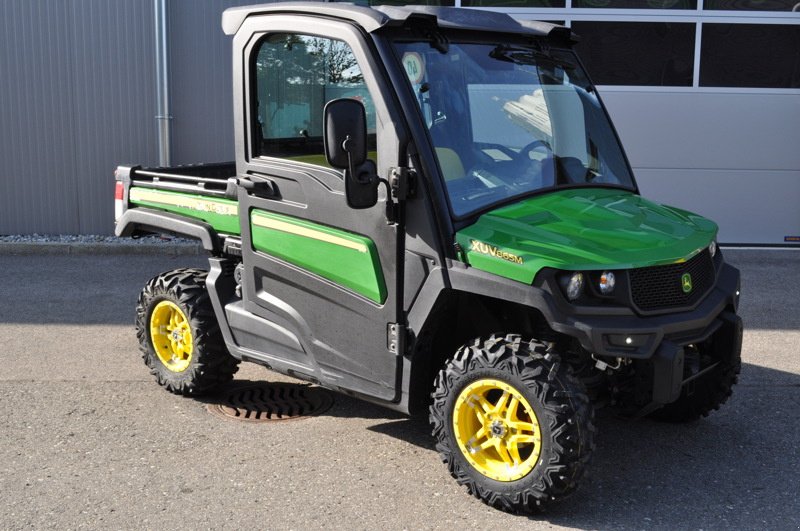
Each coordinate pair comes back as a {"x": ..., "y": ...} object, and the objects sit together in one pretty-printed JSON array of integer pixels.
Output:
[{"x": 163, "y": 116}]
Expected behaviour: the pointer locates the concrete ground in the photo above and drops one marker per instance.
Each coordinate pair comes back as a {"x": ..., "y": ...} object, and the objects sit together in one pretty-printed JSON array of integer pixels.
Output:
[{"x": 88, "y": 440}]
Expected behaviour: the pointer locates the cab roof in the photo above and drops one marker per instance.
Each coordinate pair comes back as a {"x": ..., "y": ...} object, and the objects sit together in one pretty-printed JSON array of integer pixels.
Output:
[{"x": 374, "y": 18}]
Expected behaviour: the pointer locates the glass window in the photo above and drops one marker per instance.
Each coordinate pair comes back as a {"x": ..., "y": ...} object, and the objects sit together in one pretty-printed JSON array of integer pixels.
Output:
[
  {"x": 752, "y": 5},
  {"x": 750, "y": 55},
  {"x": 637, "y": 4},
  {"x": 637, "y": 53},
  {"x": 446, "y": 3},
  {"x": 511, "y": 120},
  {"x": 295, "y": 76},
  {"x": 513, "y": 3}
]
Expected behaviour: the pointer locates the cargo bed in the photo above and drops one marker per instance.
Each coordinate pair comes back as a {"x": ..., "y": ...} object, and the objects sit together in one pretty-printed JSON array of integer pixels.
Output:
[
  {"x": 193, "y": 200},
  {"x": 204, "y": 179}
]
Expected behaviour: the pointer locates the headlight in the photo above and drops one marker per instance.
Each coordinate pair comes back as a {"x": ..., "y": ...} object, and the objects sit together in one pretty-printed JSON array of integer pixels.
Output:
[
  {"x": 712, "y": 248},
  {"x": 573, "y": 285},
  {"x": 606, "y": 283}
]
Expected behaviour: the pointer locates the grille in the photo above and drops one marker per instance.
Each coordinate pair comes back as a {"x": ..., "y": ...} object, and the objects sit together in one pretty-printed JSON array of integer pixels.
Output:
[{"x": 661, "y": 287}]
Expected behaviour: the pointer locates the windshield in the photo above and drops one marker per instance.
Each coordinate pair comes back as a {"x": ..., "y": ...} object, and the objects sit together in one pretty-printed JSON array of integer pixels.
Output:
[{"x": 508, "y": 121}]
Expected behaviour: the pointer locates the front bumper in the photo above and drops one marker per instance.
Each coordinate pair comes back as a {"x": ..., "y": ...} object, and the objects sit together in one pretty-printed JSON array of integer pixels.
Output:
[
  {"x": 619, "y": 333},
  {"x": 604, "y": 332}
]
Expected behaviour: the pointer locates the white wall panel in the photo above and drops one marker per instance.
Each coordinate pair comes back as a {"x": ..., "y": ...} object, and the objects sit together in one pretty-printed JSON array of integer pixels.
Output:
[
  {"x": 732, "y": 156},
  {"x": 757, "y": 207},
  {"x": 77, "y": 97}
]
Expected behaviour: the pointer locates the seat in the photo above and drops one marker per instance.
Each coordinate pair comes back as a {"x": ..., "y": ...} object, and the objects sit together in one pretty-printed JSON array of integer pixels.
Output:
[{"x": 450, "y": 162}]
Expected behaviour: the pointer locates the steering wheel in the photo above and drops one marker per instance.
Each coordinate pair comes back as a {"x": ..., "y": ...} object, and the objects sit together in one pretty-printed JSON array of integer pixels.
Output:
[
  {"x": 527, "y": 167},
  {"x": 525, "y": 153}
]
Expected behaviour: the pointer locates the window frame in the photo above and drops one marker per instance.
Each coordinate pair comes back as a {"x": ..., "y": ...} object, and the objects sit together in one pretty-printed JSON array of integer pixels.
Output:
[
  {"x": 698, "y": 16},
  {"x": 747, "y": 82},
  {"x": 370, "y": 67},
  {"x": 465, "y": 219},
  {"x": 629, "y": 25},
  {"x": 257, "y": 139}
]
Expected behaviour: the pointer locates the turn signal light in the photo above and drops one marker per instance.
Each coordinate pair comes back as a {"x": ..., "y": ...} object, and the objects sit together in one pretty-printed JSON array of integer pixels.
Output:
[
  {"x": 607, "y": 283},
  {"x": 119, "y": 193}
]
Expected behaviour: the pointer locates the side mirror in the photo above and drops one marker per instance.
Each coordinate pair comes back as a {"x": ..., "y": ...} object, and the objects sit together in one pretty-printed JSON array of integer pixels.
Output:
[{"x": 345, "y": 125}]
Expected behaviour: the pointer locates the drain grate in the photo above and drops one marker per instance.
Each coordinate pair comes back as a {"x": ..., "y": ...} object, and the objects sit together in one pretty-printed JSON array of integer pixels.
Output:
[{"x": 272, "y": 401}]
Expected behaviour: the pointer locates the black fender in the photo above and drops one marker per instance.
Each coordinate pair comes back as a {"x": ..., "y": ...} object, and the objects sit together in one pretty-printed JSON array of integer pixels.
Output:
[
  {"x": 459, "y": 277},
  {"x": 151, "y": 220},
  {"x": 589, "y": 325}
]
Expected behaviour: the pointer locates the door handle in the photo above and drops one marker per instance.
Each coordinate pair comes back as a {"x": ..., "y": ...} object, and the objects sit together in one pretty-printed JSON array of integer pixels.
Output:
[{"x": 264, "y": 188}]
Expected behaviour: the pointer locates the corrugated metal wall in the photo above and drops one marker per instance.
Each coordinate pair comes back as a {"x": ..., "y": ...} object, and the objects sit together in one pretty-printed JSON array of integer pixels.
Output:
[
  {"x": 78, "y": 97},
  {"x": 200, "y": 77}
]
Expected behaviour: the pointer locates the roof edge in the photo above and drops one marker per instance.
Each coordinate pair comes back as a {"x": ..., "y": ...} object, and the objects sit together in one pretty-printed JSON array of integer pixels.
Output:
[
  {"x": 375, "y": 18},
  {"x": 369, "y": 19}
]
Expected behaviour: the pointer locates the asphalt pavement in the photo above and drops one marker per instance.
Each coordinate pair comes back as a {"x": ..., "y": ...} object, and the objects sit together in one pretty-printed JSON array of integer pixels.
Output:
[{"x": 88, "y": 440}]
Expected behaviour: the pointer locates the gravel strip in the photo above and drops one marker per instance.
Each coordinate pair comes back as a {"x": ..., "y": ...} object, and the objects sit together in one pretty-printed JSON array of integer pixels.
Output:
[{"x": 96, "y": 244}]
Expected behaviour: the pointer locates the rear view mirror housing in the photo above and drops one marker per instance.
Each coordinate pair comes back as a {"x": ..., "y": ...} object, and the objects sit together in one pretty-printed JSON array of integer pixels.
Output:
[{"x": 345, "y": 126}]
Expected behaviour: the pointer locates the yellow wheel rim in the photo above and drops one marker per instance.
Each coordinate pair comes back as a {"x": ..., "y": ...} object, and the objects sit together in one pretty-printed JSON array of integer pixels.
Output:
[
  {"x": 171, "y": 336},
  {"x": 497, "y": 430}
]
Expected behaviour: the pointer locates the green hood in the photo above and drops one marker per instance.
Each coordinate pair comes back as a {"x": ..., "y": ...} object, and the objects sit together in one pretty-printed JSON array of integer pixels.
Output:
[{"x": 582, "y": 229}]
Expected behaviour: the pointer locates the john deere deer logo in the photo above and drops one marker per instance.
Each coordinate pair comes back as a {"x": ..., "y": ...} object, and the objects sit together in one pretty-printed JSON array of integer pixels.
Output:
[{"x": 686, "y": 282}]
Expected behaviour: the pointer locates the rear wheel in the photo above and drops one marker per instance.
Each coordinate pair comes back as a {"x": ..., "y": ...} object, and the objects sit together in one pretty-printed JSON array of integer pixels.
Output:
[
  {"x": 178, "y": 334},
  {"x": 512, "y": 423}
]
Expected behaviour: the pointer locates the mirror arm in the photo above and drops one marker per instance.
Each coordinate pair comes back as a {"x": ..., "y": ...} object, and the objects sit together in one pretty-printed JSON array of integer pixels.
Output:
[
  {"x": 391, "y": 207},
  {"x": 350, "y": 166},
  {"x": 346, "y": 147}
]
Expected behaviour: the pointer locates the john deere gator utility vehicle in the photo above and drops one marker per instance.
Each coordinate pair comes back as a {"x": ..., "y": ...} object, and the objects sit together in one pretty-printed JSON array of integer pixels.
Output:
[{"x": 430, "y": 210}]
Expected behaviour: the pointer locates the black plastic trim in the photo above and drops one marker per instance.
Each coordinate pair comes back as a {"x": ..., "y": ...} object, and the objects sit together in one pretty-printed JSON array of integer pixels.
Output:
[
  {"x": 218, "y": 285},
  {"x": 142, "y": 219},
  {"x": 181, "y": 187},
  {"x": 668, "y": 361},
  {"x": 591, "y": 330}
]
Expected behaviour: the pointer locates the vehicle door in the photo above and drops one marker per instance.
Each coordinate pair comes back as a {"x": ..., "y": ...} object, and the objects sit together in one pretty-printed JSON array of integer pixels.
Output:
[{"x": 322, "y": 274}]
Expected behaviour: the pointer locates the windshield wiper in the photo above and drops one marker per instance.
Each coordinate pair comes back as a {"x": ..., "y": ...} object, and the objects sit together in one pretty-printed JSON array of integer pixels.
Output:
[{"x": 528, "y": 56}]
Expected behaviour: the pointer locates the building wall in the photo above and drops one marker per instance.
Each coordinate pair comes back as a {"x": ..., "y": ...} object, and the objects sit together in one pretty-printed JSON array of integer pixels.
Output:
[
  {"x": 200, "y": 81},
  {"x": 705, "y": 95},
  {"x": 77, "y": 98},
  {"x": 733, "y": 157}
]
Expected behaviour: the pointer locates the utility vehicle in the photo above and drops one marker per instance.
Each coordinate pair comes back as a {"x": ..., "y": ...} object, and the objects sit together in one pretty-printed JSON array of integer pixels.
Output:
[{"x": 430, "y": 209}]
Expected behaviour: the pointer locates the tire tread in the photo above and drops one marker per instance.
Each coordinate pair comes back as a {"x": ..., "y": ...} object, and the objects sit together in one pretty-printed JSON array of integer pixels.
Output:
[
  {"x": 568, "y": 410},
  {"x": 212, "y": 365}
]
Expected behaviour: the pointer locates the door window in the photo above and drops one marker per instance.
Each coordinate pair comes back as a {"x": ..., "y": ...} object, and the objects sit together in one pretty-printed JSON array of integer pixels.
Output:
[{"x": 295, "y": 76}]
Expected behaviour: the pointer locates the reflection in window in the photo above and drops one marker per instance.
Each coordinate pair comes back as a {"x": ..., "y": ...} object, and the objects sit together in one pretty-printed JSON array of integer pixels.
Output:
[
  {"x": 637, "y": 4},
  {"x": 753, "y": 5},
  {"x": 507, "y": 120},
  {"x": 296, "y": 75},
  {"x": 513, "y": 3},
  {"x": 637, "y": 53},
  {"x": 750, "y": 55},
  {"x": 446, "y": 3}
]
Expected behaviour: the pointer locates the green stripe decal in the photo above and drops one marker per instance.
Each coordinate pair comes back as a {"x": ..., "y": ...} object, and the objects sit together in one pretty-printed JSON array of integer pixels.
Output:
[
  {"x": 222, "y": 214},
  {"x": 344, "y": 258}
]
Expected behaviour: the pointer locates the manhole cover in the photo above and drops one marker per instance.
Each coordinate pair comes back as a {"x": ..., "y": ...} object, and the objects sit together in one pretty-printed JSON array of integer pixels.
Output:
[{"x": 274, "y": 401}]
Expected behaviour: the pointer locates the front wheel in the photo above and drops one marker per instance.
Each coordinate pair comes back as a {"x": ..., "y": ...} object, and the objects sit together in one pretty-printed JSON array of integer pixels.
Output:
[{"x": 512, "y": 423}]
